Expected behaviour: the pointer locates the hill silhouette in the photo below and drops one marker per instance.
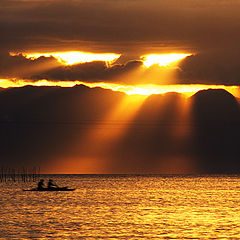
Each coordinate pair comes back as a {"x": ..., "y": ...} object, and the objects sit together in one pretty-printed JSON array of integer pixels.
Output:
[
  {"x": 216, "y": 115},
  {"x": 38, "y": 123},
  {"x": 43, "y": 123}
]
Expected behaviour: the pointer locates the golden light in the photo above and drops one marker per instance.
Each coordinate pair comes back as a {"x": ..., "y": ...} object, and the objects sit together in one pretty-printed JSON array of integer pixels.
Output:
[
  {"x": 69, "y": 58},
  {"x": 124, "y": 111},
  {"x": 100, "y": 139},
  {"x": 144, "y": 89},
  {"x": 186, "y": 89},
  {"x": 163, "y": 59}
]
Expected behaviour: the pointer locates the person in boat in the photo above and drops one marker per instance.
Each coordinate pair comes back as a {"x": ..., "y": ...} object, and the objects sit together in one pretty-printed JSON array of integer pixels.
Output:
[
  {"x": 40, "y": 184},
  {"x": 51, "y": 184}
]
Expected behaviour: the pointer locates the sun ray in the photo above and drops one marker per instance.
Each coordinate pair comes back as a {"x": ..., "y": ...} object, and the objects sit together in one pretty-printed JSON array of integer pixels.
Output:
[
  {"x": 163, "y": 59},
  {"x": 98, "y": 140}
]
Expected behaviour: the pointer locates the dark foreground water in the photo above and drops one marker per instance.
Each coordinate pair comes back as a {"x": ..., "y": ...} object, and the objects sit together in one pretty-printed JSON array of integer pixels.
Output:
[{"x": 123, "y": 207}]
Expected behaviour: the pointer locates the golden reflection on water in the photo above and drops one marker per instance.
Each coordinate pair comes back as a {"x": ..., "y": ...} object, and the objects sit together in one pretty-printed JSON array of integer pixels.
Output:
[{"x": 130, "y": 207}]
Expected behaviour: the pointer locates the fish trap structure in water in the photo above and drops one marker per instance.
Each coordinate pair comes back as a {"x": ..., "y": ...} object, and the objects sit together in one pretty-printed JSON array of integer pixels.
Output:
[{"x": 22, "y": 174}]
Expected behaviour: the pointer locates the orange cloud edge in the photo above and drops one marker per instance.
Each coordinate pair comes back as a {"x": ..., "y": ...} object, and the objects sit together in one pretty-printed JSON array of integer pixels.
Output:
[
  {"x": 142, "y": 89},
  {"x": 137, "y": 89}
]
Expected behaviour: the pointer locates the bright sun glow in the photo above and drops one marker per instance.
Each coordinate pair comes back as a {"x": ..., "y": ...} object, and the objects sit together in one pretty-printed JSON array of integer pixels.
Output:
[
  {"x": 144, "y": 89},
  {"x": 69, "y": 58},
  {"x": 162, "y": 59}
]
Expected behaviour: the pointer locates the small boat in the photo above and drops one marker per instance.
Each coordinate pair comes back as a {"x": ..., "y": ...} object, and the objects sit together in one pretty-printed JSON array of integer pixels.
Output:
[{"x": 49, "y": 189}]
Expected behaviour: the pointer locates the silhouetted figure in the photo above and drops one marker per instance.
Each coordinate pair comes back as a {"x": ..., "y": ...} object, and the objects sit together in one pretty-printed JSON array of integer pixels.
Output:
[
  {"x": 51, "y": 184},
  {"x": 41, "y": 184}
]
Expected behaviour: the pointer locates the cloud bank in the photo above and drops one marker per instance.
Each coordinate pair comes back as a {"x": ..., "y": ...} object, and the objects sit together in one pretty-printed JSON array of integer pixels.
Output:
[
  {"x": 212, "y": 69},
  {"x": 132, "y": 28},
  {"x": 120, "y": 26}
]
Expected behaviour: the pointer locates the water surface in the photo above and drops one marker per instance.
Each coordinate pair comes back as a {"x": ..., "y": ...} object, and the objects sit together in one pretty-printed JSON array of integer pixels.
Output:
[{"x": 123, "y": 207}]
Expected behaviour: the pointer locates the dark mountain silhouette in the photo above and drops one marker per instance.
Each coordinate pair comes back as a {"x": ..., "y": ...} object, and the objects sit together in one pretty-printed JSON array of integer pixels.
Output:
[
  {"x": 216, "y": 115},
  {"x": 38, "y": 124},
  {"x": 215, "y": 106},
  {"x": 153, "y": 144},
  {"x": 56, "y": 104}
]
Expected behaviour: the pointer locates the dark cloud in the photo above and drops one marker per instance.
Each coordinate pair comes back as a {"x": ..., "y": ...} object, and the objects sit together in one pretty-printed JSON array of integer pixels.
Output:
[
  {"x": 88, "y": 72},
  {"x": 132, "y": 28},
  {"x": 222, "y": 68},
  {"x": 120, "y": 26},
  {"x": 18, "y": 66},
  {"x": 49, "y": 68},
  {"x": 218, "y": 68}
]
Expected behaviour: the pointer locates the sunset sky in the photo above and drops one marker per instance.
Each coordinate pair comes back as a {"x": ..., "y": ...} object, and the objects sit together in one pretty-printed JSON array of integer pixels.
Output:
[{"x": 134, "y": 86}]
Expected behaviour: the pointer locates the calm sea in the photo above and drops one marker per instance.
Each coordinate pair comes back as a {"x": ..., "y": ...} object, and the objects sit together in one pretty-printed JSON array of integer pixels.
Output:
[{"x": 123, "y": 207}]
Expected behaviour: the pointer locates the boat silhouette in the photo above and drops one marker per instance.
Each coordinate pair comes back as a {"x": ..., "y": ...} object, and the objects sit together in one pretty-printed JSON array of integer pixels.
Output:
[{"x": 49, "y": 189}]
